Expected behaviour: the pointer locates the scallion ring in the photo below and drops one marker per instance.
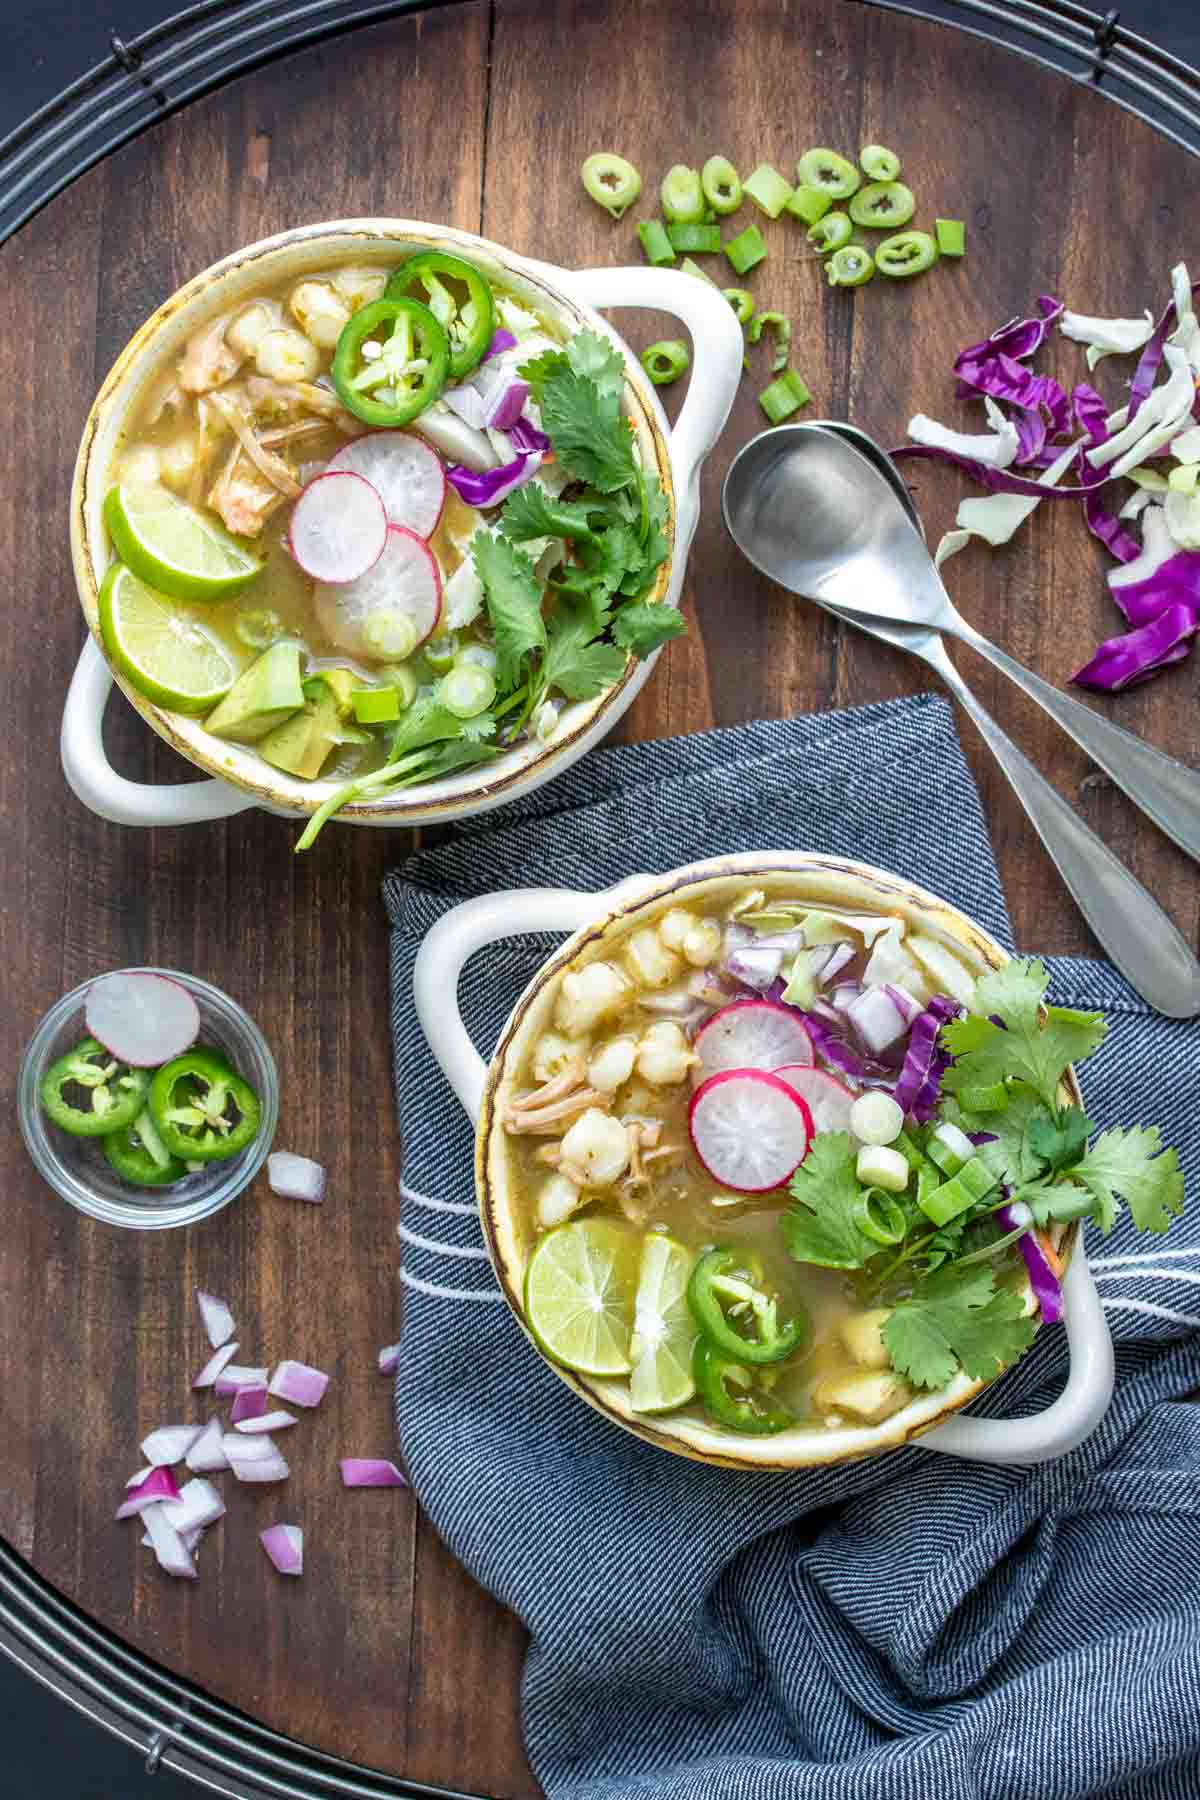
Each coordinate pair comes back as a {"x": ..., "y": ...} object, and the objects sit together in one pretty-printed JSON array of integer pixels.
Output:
[
  {"x": 879, "y": 1216},
  {"x": 682, "y": 196},
  {"x": 467, "y": 690},
  {"x": 831, "y": 232},
  {"x": 908, "y": 253},
  {"x": 850, "y": 266},
  {"x": 721, "y": 185},
  {"x": 826, "y": 170},
  {"x": 665, "y": 361},
  {"x": 883, "y": 204},
  {"x": 612, "y": 182},
  {"x": 782, "y": 328},
  {"x": 878, "y": 163},
  {"x": 742, "y": 302}
]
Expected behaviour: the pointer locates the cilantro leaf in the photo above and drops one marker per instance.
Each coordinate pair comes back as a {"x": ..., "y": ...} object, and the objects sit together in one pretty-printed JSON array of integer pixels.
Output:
[
  {"x": 443, "y": 759},
  {"x": 1010, "y": 1156},
  {"x": 531, "y": 512},
  {"x": 820, "y": 1228},
  {"x": 1021, "y": 1044},
  {"x": 956, "y": 1318},
  {"x": 1133, "y": 1166},
  {"x": 574, "y": 664},
  {"x": 1062, "y": 1141},
  {"x": 591, "y": 439},
  {"x": 644, "y": 625},
  {"x": 514, "y": 603},
  {"x": 426, "y": 722},
  {"x": 538, "y": 370},
  {"x": 594, "y": 357}
]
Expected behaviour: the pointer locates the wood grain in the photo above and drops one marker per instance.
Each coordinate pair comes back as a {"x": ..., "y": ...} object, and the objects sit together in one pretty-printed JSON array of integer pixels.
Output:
[{"x": 387, "y": 1653}]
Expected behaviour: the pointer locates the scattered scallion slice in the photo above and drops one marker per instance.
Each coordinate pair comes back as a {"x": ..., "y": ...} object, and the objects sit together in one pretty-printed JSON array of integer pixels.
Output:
[
  {"x": 682, "y": 196},
  {"x": 850, "y": 266},
  {"x": 656, "y": 245},
  {"x": 612, "y": 182},
  {"x": 831, "y": 232},
  {"x": 768, "y": 190},
  {"x": 742, "y": 302},
  {"x": 665, "y": 361},
  {"x": 376, "y": 706},
  {"x": 883, "y": 205},
  {"x": 721, "y": 185},
  {"x": 826, "y": 170},
  {"x": 809, "y": 204},
  {"x": 467, "y": 690},
  {"x": 688, "y": 267},
  {"x": 784, "y": 396},
  {"x": 703, "y": 240},
  {"x": 782, "y": 328},
  {"x": 878, "y": 163},
  {"x": 746, "y": 250},
  {"x": 908, "y": 253},
  {"x": 951, "y": 236}
]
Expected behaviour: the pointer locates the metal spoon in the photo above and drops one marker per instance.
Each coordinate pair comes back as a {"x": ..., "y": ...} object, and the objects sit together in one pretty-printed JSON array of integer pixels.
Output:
[{"x": 1129, "y": 923}]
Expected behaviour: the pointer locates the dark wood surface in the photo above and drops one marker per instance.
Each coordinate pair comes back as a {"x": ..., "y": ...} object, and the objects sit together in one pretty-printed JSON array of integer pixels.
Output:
[{"x": 479, "y": 115}]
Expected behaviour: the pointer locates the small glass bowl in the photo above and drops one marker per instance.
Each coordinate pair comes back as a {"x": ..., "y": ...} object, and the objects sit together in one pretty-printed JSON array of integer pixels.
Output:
[{"x": 77, "y": 1168}]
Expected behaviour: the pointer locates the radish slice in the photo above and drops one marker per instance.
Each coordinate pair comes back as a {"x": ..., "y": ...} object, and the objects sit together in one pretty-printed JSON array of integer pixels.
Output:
[
  {"x": 749, "y": 1129},
  {"x": 753, "y": 1034},
  {"x": 828, "y": 1099},
  {"x": 284, "y": 1544},
  {"x": 405, "y": 472},
  {"x": 158, "y": 1486},
  {"x": 206, "y": 1455},
  {"x": 234, "y": 1377},
  {"x": 145, "y": 1020},
  {"x": 169, "y": 1548},
  {"x": 377, "y": 615},
  {"x": 199, "y": 1504},
  {"x": 370, "y": 1471},
  {"x": 298, "y": 1383},
  {"x": 215, "y": 1365},
  {"x": 295, "y": 1177},
  {"x": 248, "y": 1403},
  {"x": 272, "y": 1421},
  {"x": 169, "y": 1444},
  {"x": 217, "y": 1318},
  {"x": 339, "y": 527}
]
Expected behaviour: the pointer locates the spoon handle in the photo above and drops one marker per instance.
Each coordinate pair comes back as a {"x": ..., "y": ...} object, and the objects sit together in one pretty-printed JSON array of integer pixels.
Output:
[
  {"x": 1167, "y": 791},
  {"x": 1129, "y": 923}
]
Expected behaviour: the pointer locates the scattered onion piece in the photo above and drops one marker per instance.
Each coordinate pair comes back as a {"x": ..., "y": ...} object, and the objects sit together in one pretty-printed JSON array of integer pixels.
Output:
[
  {"x": 137, "y": 1480},
  {"x": 207, "y": 1455},
  {"x": 267, "y": 1468},
  {"x": 389, "y": 1359},
  {"x": 199, "y": 1505},
  {"x": 169, "y": 1444},
  {"x": 365, "y": 1471},
  {"x": 217, "y": 1318},
  {"x": 234, "y": 1377},
  {"x": 213, "y": 1367},
  {"x": 169, "y": 1548},
  {"x": 284, "y": 1544},
  {"x": 158, "y": 1486},
  {"x": 295, "y": 1177},
  {"x": 272, "y": 1421},
  {"x": 297, "y": 1382},
  {"x": 248, "y": 1403}
]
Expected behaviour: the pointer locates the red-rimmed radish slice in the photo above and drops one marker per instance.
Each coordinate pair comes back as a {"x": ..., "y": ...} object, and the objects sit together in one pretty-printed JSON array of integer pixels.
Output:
[
  {"x": 391, "y": 610},
  {"x": 828, "y": 1099},
  {"x": 753, "y": 1034},
  {"x": 339, "y": 527},
  {"x": 406, "y": 473},
  {"x": 749, "y": 1129},
  {"x": 143, "y": 1020}
]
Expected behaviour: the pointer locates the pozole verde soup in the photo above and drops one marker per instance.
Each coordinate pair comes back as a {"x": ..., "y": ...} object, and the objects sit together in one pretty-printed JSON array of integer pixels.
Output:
[
  {"x": 381, "y": 523},
  {"x": 735, "y": 1177}
]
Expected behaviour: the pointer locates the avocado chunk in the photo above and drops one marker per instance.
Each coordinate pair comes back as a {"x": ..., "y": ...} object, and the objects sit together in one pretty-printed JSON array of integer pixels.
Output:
[
  {"x": 301, "y": 745},
  {"x": 259, "y": 700},
  {"x": 341, "y": 684}
]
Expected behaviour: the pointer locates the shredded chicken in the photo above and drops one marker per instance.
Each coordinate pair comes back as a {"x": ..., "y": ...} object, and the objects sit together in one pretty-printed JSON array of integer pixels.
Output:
[
  {"x": 168, "y": 397},
  {"x": 284, "y": 399},
  {"x": 550, "y": 1154},
  {"x": 266, "y": 462},
  {"x": 542, "y": 1112},
  {"x": 285, "y": 434},
  {"x": 208, "y": 360},
  {"x": 242, "y": 497}
]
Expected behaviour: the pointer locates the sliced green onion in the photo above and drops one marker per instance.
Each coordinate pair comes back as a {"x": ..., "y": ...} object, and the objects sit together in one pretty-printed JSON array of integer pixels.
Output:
[
  {"x": 742, "y": 302},
  {"x": 665, "y": 361},
  {"x": 826, "y": 170},
  {"x": 704, "y": 240},
  {"x": 746, "y": 250},
  {"x": 809, "y": 204},
  {"x": 951, "y": 236},
  {"x": 612, "y": 182},
  {"x": 831, "y": 232},
  {"x": 400, "y": 677},
  {"x": 260, "y": 627},
  {"x": 768, "y": 190},
  {"x": 481, "y": 654},
  {"x": 376, "y": 706},
  {"x": 782, "y": 328},
  {"x": 390, "y": 634},
  {"x": 908, "y": 253},
  {"x": 850, "y": 266},
  {"x": 883, "y": 204},
  {"x": 878, "y": 163},
  {"x": 688, "y": 267},
  {"x": 467, "y": 690},
  {"x": 993, "y": 1098},
  {"x": 879, "y": 1216},
  {"x": 656, "y": 245},
  {"x": 682, "y": 196},
  {"x": 721, "y": 184},
  {"x": 784, "y": 396},
  {"x": 440, "y": 653}
]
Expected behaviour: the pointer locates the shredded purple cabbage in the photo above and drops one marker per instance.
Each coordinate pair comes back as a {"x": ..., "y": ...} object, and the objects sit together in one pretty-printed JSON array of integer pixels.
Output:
[
  {"x": 1122, "y": 662},
  {"x": 919, "y": 1085},
  {"x": 525, "y": 436},
  {"x": 1150, "y": 361},
  {"x": 490, "y": 486},
  {"x": 1047, "y": 1289},
  {"x": 1175, "y": 582},
  {"x": 999, "y": 481}
]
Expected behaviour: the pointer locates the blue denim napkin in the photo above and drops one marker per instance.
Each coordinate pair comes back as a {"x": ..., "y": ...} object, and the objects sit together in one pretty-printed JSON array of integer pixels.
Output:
[{"x": 909, "y": 1628}]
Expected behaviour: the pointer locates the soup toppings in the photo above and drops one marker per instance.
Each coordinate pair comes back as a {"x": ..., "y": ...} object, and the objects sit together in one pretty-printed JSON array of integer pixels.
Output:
[
  {"x": 790, "y": 1167},
  {"x": 381, "y": 525}
]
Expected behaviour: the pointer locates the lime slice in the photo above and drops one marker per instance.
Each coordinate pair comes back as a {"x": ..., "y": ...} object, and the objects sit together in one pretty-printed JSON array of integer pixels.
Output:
[
  {"x": 579, "y": 1294},
  {"x": 174, "y": 547},
  {"x": 664, "y": 1331},
  {"x": 166, "y": 655}
]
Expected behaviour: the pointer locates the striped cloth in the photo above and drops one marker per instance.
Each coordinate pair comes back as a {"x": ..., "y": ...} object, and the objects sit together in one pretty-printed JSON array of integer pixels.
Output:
[{"x": 909, "y": 1628}]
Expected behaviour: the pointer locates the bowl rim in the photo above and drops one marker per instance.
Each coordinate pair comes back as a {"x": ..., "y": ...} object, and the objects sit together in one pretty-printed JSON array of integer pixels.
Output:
[
  {"x": 133, "y": 370},
  {"x": 792, "y": 1450}
]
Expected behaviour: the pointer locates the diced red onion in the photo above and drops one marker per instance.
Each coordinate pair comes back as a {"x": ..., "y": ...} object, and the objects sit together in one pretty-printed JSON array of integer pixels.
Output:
[
  {"x": 191, "y": 1539},
  {"x": 272, "y": 1421},
  {"x": 207, "y": 1455},
  {"x": 255, "y": 1446},
  {"x": 137, "y": 1480},
  {"x": 213, "y": 1367},
  {"x": 295, "y": 1177},
  {"x": 360, "y": 1471},
  {"x": 159, "y": 1485},
  {"x": 389, "y": 1359},
  {"x": 284, "y": 1544},
  {"x": 199, "y": 1505},
  {"x": 169, "y": 1548},
  {"x": 170, "y": 1443},
  {"x": 235, "y": 1376},
  {"x": 839, "y": 956},
  {"x": 501, "y": 340},
  {"x": 267, "y": 1468},
  {"x": 876, "y": 1018},
  {"x": 216, "y": 1317},
  {"x": 524, "y": 435},
  {"x": 297, "y": 1382},
  {"x": 248, "y": 1403},
  {"x": 900, "y": 998},
  {"x": 755, "y": 967}
]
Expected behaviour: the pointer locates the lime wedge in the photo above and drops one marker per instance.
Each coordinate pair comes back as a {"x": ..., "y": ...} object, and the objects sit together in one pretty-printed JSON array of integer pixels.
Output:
[
  {"x": 165, "y": 654},
  {"x": 579, "y": 1295},
  {"x": 664, "y": 1331},
  {"x": 172, "y": 546}
]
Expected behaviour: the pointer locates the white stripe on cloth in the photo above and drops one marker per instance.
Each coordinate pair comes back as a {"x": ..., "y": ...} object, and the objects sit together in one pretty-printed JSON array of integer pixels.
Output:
[
  {"x": 460, "y": 1207},
  {"x": 1185, "y": 1277},
  {"x": 467, "y": 1251},
  {"x": 1153, "y": 1257},
  {"x": 435, "y": 1291},
  {"x": 1150, "y": 1310}
]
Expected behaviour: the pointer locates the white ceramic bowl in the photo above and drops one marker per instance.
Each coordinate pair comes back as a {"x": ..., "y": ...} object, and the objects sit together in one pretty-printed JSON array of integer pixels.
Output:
[
  {"x": 592, "y": 919},
  {"x": 242, "y": 778}
]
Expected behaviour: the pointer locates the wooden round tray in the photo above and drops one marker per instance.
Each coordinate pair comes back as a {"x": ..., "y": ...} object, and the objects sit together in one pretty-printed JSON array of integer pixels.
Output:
[{"x": 386, "y": 1654}]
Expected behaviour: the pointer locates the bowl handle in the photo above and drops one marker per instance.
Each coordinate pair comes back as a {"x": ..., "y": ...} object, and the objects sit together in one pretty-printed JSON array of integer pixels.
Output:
[
  {"x": 92, "y": 778},
  {"x": 718, "y": 350},
  {"x": 1069, "y": 1419}
]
